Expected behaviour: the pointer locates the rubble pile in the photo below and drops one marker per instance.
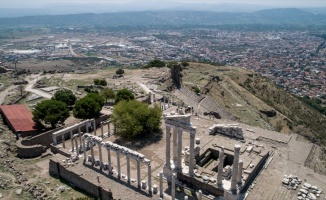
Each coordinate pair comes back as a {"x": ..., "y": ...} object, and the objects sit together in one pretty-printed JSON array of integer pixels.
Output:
[
  {"x": 231, "y": 130},
  {"x": 307, "y": 192}
]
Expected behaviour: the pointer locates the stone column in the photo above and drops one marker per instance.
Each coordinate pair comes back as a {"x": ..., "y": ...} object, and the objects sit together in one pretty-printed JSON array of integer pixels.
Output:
[
  {"x": 102, "y": 130},
  {"x": 72, "y": 142},
  {"x": 109, "y": 129},
  {"x": 79, "y": 135},
  {"x": 164, "y": 103},
  {"x": 161, "y": 184},
  {"x": 175, "y": 146},
  {"x": 92, "y": 152},
  {"x": 154, "y": 99},
  {"x": 191, "y": 157},
  {"x": 128, "y": 168},
  {"x": 240, "y": 170},
  {"x": 138, "y": 173},
  {"x": 200, "y": 195},
  {"x": 76, "y": 143},
  {"x": 173, "y": 187},
  {"x": 94, "y": 126},
  {"x": 109, "y": 156},
  {"x": 167, "y": 149},
  {"x": 54, "y": 139},
  {"x": 100, "y": 154},
  {"x": 63, "y": 141},
  {"x": 220, "y": 167},
  {"x": 118, "y": 165},
  {"x": 179, "y": 164},
  {"x": 149, "y": 178},
  {"x": 235, "y": 168},
  {"x": 84, "y": 149}
]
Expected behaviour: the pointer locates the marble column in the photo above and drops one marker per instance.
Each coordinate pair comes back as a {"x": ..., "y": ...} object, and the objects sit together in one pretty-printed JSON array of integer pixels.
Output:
[
  {"x": 128, "y": 168},
  {"x": 109, "y": 131},
  {"x": 161, "y": 184},
  {"x": 76, "y": 143},
  {"x": 235, "y": 168},
  {"x": 154, "y": 99},
  {"x": 220, "y": 167},
  {"x": 92, "y": 153},
  {"x": 102, "y": 130},
  {"x": 167, "y": 149},
  {"x": 191, "y": 157},
  {"x": 118, "y": 165},
  {"x": 138, "y": 174},
  {"x": 109, "y": 156},
  {"x": 63, "y": 141},
  {"x": 175, "y": 146},
  {"x": 149, "y": 175},
  {"x": 84, "y": 148},
  {"x": 79, "y": 135},
  {"x": 240, "y": 170},
  {"x": 173, "y": 187},
  {"x": 100, "y": 155},
  {"x": 164, "y": 103},
  {"x": 94, "y": 126},
  {"x": 54, "y": 139},
  {"x": 72, "y": 142},
  {"x": 200, "y": 195},
  {"x": 179, "y": 156}
]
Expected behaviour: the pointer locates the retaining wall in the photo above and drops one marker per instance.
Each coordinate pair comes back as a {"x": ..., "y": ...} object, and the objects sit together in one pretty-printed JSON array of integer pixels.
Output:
[{"x": 79, "y": 181}]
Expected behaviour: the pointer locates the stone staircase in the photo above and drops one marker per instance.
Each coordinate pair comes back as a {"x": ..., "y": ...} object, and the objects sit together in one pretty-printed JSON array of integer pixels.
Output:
[{"x": 201, "y": 103}]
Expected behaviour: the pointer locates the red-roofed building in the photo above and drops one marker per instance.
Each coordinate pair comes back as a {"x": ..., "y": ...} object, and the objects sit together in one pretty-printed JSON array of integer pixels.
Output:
[{"x": 19, "y": 119}]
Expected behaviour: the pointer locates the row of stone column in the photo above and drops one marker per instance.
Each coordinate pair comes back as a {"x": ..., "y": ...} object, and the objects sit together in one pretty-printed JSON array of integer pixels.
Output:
[
  {"x": 118, "y": 153},
  {"x": 237, "y": 168},
  {"x": 165, "y": 100},
  {"x": 177, "y": 149}
]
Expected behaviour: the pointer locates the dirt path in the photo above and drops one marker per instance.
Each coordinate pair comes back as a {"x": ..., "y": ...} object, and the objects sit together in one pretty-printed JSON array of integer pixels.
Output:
[
  {"x": 31, "y": 83},
  {"x": 4, "y": 93}
]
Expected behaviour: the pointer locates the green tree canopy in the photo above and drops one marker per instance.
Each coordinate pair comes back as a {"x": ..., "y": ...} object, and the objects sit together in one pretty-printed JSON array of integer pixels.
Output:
[
  {"x": 155, "y": 63},
  {"x": 102, "y": 82},
  {"x": 134, "y": 118},
  {"x": 124, "y": 94},
  {"x": 89, "y": 106},
  {"x": 107, "y": 94},
  {"x": 51, "y": 111},
  {"x": 184, "y": 64},
  {"x": 65, "y": 96},
  {"x": 120, "y": 71}
]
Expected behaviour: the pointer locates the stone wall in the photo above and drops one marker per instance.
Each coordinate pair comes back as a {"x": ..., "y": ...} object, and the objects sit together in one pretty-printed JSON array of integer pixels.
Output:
[
  {"x": 44, "y": 139},
  {"x": 79, "y": 181},
  {"x": 60, "y": 150},
  {"x": 29, "y": 151},
  {"x": 200, "y": 185}
]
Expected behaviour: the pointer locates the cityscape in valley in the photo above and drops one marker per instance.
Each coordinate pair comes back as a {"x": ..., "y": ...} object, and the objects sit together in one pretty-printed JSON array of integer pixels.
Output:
[{"x": 212, "y": 101}]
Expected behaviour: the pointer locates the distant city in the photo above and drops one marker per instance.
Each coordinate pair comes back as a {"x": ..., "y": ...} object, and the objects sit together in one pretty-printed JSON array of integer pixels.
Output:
[{"x": 294, "y": 60}]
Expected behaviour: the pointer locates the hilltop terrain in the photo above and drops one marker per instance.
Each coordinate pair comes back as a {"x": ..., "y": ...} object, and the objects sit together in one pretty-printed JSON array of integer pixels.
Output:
[{"x": 254, "y": 100}]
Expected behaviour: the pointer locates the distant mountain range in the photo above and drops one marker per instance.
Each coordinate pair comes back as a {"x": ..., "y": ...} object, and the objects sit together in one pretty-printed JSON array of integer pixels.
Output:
[{"x": 175, "y": 18}]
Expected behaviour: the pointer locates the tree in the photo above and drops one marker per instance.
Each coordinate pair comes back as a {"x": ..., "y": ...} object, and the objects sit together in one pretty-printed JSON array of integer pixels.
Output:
[
  {"x": 100, "y": 82},
  {"x": 88, "y": 107},
  {"x": 65, "y": 96},
  {"x": 107, "y": 94},
  {"x": 120, "y": 71},
  {"x": 134, "y": 118},
  {"x": 124, "y": 94},
  {"x": 51, "y": 111},
  {"x": 184, "y": 64},
  {"x": 155, "y": 63}
]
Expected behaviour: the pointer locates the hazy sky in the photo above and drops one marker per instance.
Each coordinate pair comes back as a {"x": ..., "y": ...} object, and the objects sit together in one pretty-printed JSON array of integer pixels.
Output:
[{"x": 277, "y": 3}]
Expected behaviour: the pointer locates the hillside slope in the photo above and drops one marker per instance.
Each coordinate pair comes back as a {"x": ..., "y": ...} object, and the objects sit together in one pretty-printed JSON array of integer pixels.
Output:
[{"x": 257, "y": 101}]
